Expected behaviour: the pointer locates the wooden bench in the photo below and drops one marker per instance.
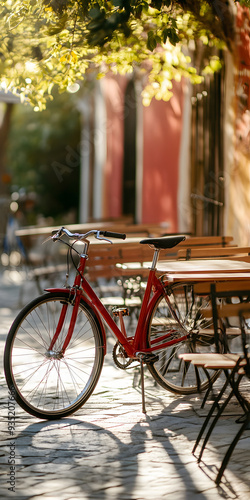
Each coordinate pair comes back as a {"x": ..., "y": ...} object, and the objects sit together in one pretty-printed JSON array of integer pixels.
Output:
[
  {"x": 46, "y": 261},
  {"x": 235, "y": 253},
  {"x": 204, "y": 288},
  {"x": 29, "y": 235},
  {"x": 129, "y": 260},
  {"x": 207, "y": 241},
  {"x": 122, "y": 261},
  {"x": 131, "y": 251}
]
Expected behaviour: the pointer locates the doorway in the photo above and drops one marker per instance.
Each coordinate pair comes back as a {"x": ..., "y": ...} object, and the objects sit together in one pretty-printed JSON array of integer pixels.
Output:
[
  {"x": 129, "y": 162},
  {"x": 207, "y": 156}
]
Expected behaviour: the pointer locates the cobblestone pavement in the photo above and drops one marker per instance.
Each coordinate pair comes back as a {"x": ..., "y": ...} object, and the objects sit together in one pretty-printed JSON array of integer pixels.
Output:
[{"x": 110, "y": 450}]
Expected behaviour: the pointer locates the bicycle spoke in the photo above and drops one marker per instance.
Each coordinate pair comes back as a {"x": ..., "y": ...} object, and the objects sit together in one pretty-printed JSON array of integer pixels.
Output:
[
  {"x": 179, "y": 313},
  {"x": 49, "y": 383}
]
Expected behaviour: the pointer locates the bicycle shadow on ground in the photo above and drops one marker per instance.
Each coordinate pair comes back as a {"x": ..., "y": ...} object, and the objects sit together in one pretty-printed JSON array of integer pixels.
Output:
[
  {"x": 71, "y": 455},
  {"x": 75, "y": 457}
]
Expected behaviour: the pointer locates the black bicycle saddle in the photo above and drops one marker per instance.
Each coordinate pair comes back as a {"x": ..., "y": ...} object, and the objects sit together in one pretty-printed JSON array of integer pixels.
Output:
[{"x": 164, "y": 241}]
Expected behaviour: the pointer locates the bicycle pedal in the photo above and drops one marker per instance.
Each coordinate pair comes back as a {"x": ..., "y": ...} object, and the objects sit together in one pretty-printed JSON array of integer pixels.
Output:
[
  {"x": 149, "y": 358},
  {"x": 123, "y": 310}
]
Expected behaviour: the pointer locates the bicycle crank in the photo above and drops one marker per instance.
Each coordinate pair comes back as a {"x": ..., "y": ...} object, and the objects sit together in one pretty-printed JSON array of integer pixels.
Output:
[{"x": 120, "y": 357}]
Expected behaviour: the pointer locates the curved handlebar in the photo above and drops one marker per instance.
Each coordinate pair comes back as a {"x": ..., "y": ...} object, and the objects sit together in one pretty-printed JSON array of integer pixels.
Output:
[
  {"x": 57, "y": 233},
  {"x": 110, "y": 234},
  {"x": 60, "y": 232}
]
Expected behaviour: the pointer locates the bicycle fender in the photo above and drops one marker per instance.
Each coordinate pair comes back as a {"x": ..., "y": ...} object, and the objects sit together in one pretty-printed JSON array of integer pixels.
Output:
[{"x": 85, "y": 299}]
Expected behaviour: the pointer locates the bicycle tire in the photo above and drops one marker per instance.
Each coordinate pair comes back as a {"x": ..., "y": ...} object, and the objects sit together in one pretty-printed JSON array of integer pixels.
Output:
[
  {"x": 45, "y": 385},
  {"x": 170, "y": 372}
]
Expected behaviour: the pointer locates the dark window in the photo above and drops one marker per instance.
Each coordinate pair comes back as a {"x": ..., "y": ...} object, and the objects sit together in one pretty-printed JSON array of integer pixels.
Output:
[
  {"x": 207, "y": 178},
  {"x": 129, "y": 163}
]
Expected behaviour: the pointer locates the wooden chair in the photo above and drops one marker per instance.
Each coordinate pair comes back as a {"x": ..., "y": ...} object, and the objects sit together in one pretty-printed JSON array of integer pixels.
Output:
[
  {"x": 236, "y": 366},
  {"x": 193, "y": 242},
  {"x": 230, "y": 252}
]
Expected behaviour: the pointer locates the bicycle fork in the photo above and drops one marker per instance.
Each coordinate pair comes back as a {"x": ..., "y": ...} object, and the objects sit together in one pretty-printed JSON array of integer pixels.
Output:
[{"x": 51, "y": 353}]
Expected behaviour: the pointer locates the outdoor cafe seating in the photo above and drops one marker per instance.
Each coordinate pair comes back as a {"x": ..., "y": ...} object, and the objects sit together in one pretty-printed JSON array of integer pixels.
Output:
[{"x": 230, "y": 302}]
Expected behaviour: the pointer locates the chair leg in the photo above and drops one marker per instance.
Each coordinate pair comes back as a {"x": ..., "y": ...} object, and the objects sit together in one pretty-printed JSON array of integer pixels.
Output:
[
  {"x": 209, "y": 415},
  {"x": 234, "y": 386},
  {"x": 234, "y": 391},
  {"x": 231, "y": 449},
  {"x": 215, "y": 420},
  {"x": 210, "y": 389},
  {"x": 238, "y": 396}
]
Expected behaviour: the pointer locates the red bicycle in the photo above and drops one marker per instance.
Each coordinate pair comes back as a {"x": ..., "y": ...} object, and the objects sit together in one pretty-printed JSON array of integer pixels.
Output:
[{"x": 56, "y": 346}]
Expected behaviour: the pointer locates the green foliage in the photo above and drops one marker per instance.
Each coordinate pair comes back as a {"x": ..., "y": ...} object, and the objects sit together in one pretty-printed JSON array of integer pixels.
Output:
[
  {"x": 244, "y": 2},
  {"x": 43, "y": 155},
  {"x": 59, "y": 42}
]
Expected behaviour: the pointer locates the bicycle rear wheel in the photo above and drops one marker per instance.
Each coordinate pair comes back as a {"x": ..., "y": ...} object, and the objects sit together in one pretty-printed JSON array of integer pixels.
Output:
[
  {"x": 177, "y": 315},
  {"x": 46, "y": 383}
]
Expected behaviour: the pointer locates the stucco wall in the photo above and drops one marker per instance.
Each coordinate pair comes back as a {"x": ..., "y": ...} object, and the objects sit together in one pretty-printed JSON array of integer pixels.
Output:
[
  {"x": 162, "y": 136},
  {"x": 161, "y": 129}
]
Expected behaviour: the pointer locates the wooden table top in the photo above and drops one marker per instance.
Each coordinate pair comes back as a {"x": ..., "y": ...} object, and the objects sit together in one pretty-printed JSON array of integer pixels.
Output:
[
  {"x": 205, "y": 270},
  {"x": 203, "y": 266}
]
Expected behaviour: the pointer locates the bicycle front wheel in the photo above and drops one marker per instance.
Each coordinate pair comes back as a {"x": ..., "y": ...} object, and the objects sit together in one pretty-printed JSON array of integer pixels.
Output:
[
  {"x": 175, "y": 316},
  {"x": 45, "y": 382}
]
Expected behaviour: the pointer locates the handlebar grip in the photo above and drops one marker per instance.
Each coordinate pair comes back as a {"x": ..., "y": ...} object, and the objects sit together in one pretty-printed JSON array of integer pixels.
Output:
[{"x": 109, "y": 234}]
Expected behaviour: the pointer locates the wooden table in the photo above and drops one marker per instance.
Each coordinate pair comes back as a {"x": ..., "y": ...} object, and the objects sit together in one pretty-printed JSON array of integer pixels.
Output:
[{"x": 205, "y": 270}]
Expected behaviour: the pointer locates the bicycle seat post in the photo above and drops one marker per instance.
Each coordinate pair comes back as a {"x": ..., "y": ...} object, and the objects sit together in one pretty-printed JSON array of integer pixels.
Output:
[{"x": 155, "y": 259}]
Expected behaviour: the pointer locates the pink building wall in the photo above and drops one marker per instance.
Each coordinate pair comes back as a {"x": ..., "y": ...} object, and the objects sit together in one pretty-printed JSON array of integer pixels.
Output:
[
  {"x": 162, "y": 127},
  {"x": 114, "y": 89},
  {"x": 162, "y": 135}
]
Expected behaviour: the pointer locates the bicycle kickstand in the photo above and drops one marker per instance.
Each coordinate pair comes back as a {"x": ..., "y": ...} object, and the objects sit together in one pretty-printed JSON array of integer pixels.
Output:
[
  {"x": 148, "y": 359},
  {"x": 142, "y": 384}
]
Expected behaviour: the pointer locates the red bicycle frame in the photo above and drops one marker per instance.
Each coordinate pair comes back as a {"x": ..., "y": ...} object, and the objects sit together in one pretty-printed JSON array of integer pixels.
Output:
[{"x": 132, "y": 345}]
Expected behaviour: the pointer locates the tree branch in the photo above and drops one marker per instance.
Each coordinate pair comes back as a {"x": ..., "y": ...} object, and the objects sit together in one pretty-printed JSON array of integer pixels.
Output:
[{"x": 221, "y": 22}]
